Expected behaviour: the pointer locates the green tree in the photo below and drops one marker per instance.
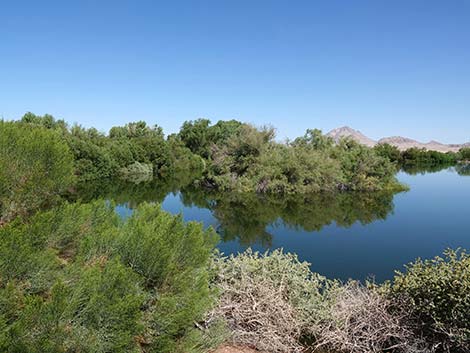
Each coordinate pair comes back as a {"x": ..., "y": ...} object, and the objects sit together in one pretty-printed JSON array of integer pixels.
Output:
[
  {"x": 465, "y": 153},
  {"x": 194, "y": 134},
  {"x": 388, "y": 151}
]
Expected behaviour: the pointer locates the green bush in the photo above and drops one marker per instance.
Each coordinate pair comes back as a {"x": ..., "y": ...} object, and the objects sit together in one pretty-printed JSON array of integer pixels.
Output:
[
  {"x": 465, "y": 153},
  {"x": 250, "y": 160},
  {"x": 36, "y": 166},
  {"x": 26, "y": 259},
  {"x": 104, "y": 305},
  {"x": 137, "y": 172},
  {"x": 96, "y": 310},
  {"x": 79, "y": 279},
  {"x": 438, "y": 294},
  {"x": 172, "y": 257}
]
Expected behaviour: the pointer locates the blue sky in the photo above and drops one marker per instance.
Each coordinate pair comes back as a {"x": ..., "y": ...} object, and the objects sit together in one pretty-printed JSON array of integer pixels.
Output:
[{"x": 397, "y": 67}]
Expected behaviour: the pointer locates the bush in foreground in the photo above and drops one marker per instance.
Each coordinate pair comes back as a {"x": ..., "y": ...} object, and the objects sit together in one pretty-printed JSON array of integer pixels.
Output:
[
  {"x": 362, "y": 320},
  {"x": 268, "y": 300},
  {"x": 79, "y": 279},
  {"x": 437, "y": 292},
  {"x": 273, "y": 302}
]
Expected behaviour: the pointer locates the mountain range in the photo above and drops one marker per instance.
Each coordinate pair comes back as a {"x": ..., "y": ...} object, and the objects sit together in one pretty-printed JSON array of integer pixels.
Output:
[{"x": 402, "y": 143}]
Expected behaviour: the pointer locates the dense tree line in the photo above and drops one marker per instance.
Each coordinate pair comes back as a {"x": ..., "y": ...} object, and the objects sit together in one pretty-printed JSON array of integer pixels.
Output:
[
  {"x": 416, "y": 159},
  {"x": 44, "y": 158},
  {"x": 228, "y": 155},
  {"x": 244, "y": 158},
  {"x": 133, "y": 150}
]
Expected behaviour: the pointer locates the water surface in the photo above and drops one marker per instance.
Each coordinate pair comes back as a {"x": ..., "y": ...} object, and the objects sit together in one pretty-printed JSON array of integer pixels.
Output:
[{"x": 343, "y": 236}]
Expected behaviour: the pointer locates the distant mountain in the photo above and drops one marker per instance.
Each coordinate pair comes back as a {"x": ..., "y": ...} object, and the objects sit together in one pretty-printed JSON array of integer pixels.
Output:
[
  {"x": 402, "y": 143},
  {"x": 356, "y": 135}
]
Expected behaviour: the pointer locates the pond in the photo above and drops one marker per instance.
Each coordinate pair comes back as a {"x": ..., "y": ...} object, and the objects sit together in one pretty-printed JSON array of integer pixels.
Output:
[{"x": 343, "y": 236}]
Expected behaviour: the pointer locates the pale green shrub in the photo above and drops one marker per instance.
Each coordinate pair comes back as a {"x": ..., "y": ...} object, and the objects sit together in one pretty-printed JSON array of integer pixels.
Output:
[
  {"x": 137, "y": 172},
  {"x": 271, "y": 300},
  {"x": 437, "y": 293}
]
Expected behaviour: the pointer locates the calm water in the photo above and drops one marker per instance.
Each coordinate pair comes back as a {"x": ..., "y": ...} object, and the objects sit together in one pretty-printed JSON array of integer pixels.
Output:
[{"x": 343, "y": 236}]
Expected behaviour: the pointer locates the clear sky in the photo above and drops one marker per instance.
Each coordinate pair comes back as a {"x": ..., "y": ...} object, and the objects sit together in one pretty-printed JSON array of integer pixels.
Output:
[{"x": 398, "y": 67}]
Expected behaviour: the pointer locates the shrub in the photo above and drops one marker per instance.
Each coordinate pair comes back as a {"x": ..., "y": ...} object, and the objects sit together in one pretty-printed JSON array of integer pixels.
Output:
[
  {"x": 361, "y": 320},
  {"x": 78, "y": 279},
  {"x": 172, "y": 256},
  {"x": 137, "y": 172},
  {"x": 95, "y": 310},
  {"x": 268, "y": 300},
  {"x": 437, "y": 292},
  {"x": 103, "y": 306},
  {"x": 465, "y": 153},
  {"x": 36, "y": 166},
  {"x": 25, "y": 259}
]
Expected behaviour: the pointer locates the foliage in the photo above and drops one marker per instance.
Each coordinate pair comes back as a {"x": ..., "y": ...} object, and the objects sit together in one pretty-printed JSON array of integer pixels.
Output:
[
  {"x": 131, "y": 151},
  {"x": 181, "y": 161},
  {"x": 437, "y": 292},
  {"x": 199, "y": 136},
  {"x": 465, "y": 153},
  {"x": 36, "y": 166},
  {"x": 228, "y": 155},
  {"x": 247, "y": 216},
  {"x": 250, "y": 160},
  {"x": 275, "y": 303},
  {"x": 416, "y": 156},
  {"x": 77, "y": 278},
  {"x": 364, "y": 169},
  {"x": 137, "y": 172},
  {"x": 415, "y": 160},
  {"x": 388, "y": 151}
]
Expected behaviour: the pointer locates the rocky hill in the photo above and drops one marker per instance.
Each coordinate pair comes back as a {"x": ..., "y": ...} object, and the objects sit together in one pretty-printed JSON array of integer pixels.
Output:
[
  {"x": 402, "y": 143},
  {"x": 356, "y": 135}
]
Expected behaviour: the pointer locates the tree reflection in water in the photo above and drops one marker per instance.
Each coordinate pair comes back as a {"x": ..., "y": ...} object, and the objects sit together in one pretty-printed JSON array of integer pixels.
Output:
[
  {"x": 247, "y": 218},
  {"x": 463, "y": 169}
]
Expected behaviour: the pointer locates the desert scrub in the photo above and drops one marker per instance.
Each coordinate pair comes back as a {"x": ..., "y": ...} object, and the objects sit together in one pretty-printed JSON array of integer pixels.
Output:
[
  {"x": 275, "y": 303},
  {"x": 437, "y": 293},
  {"x": 270, "y": 301},
  {"x": 362, "y": 320}
]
